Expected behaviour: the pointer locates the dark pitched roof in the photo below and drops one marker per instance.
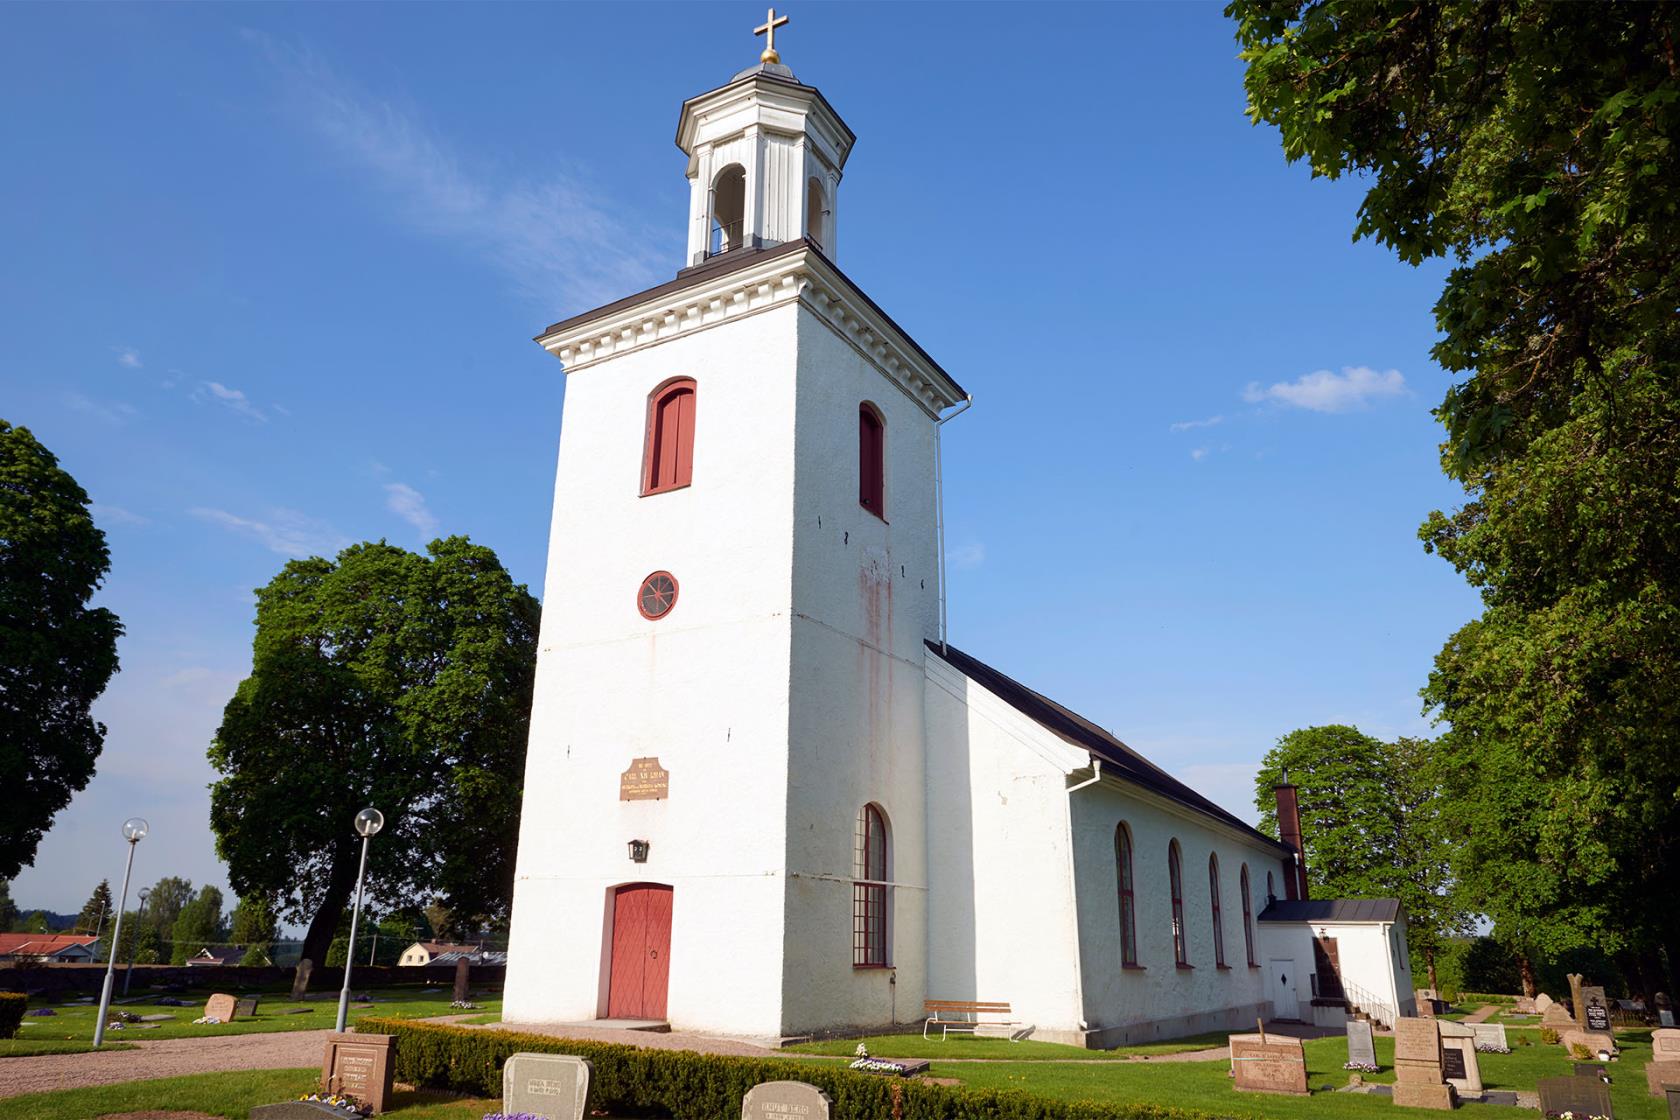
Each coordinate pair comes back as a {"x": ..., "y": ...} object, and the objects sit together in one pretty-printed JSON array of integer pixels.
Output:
[
  {"x": 1118, "y": 759},
  {"x": 735, "y": 259},
  {"x": 1331, "y": 910}
]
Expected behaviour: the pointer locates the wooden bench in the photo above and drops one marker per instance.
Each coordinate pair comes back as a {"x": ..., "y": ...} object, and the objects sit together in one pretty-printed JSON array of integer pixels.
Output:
[{"x": 965, "y": 1016}]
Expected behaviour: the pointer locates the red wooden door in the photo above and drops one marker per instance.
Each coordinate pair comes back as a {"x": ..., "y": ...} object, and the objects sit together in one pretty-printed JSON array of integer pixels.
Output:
[{"x": 641, "y": 952}]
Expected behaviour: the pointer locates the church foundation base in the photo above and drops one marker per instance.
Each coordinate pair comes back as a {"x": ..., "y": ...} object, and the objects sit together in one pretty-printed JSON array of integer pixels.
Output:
[{"x": 1159, "y": 1030}]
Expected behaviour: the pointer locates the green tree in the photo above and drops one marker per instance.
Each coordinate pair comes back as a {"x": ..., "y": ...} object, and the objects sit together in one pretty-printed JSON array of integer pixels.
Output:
[
  {"x": 199, "y": 925},
  {"x": 36, "y": 922},
  {"x": 168, "y": 897},
  {"x": 253, "y": 926},
  {"x": 1535, "y": 145},
  {"x": 389, "y": 679},
  {"x": 56, "y": 653},
  {"x": 8, "y": 908},
  {"x": 97, "y": 910},
  {"x": 1370, "y": 825}
]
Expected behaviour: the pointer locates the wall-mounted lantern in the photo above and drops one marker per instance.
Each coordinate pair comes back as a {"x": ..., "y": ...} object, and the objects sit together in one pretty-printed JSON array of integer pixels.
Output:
[{"x": 638, "y": 851}]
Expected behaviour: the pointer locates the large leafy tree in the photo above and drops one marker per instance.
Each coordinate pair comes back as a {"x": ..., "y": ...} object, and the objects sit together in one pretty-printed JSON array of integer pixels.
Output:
[
  {"x": 1370, "y": 825},
  {"x": 96, "y": 911},
  {"x": 167, "y": 898},
  {"x": 56, "y": 653},
  {"x": 198, "y": 927},
  {"x": 1537, "y": 146},
  {"x": 389, "y": 679}
]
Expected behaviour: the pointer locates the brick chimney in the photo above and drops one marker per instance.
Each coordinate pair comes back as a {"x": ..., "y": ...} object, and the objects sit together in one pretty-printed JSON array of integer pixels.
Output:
[{"x": 1289, "y": 830}]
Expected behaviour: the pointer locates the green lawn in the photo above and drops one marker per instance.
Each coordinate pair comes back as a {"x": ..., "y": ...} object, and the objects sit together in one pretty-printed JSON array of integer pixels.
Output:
[
  {"x": 232, "y": 1095},
  {"x": 30, "y": 1047},
  {"x": 74, "y": 1022},
  {"x": 999, "y": 1049}
]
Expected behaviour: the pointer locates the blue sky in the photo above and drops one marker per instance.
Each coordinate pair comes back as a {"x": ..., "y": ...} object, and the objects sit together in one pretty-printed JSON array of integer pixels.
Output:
[{"x": 269, "y": 274}]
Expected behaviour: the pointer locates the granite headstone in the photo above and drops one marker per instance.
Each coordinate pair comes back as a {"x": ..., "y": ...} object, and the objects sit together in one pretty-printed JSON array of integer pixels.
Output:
[
  {"x": 1490, "y": 1036},
  {"x": 463, "y": 974},
  {"x": 300, "y": 978},
  {"x": 1459, "y": 1064},
  {"x": 1663, "y": 1069},
  {"x": 359, "y": 1065},
  {"x": 222, "y": 1007},
  {"x": 1418, "y": 1082},
  {"x": 246, "y": 1007},
  {"x": 785, "y": 1100},
  {"x": 551, "y": 1085},
  {"x": 1361, "y": 1044},
  {"x": 1582, "y": 1096},
  {"x": 1271, "y": 1063}
]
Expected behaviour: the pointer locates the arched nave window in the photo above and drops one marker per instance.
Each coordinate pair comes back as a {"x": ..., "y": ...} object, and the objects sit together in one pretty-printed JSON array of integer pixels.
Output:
[
  {"x": 872, "y": 460},
  {"x": 669, "y": 459},
  {"x": 1213, "y": 899},
  {"x": 869, "y": 890},
  {"x": 1175, "y": 872},
  {"x": 1128, "y": 901},
  {"x": 1248, "y": 917}
]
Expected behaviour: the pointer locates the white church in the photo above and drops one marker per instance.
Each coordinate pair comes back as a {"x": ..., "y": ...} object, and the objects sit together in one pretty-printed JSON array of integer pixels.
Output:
[{"x": 763, "y": 795}]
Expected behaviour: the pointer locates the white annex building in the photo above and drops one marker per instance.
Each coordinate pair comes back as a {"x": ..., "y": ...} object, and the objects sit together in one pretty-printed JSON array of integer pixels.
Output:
[{"x": 763, "y": 797}]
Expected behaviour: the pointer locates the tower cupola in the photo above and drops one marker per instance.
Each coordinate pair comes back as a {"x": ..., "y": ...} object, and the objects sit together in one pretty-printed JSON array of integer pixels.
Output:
[{"x": 765, "y": 155}]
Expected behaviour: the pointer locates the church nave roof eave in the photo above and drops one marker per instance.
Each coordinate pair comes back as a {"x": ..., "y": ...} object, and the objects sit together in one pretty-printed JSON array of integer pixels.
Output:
[{"x": 1126, "y": 763}]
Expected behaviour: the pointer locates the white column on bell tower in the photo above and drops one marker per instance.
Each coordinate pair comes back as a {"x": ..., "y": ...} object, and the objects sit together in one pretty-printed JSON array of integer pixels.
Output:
[{"x": 783, "y": 135}]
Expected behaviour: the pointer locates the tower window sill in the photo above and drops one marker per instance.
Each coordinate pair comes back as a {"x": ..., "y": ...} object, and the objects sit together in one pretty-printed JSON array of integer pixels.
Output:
[
  {"x": 1182, "y": 967},
  {"x": 1133, "y": 968}
]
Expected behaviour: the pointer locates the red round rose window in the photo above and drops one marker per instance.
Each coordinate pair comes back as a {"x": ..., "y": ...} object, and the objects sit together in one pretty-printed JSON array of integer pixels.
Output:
[{"x": 657, "y": 596}]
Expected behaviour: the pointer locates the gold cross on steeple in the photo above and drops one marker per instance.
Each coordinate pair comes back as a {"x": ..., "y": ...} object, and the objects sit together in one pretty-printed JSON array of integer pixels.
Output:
[{"x": 769, "y": 33}]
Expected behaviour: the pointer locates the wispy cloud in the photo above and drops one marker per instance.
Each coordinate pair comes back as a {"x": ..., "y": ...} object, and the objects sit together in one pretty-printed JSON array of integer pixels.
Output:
[
  {"x": 285, "y": 531},
  {"x": 410, "y": 505},
  {"x": 564, "y": 244},
  {"x": 104, "y": 514},
  {"x": 112, "y": 412},
  {"x": 1191, "y": 425},
  {"x": 127, "y": 356},
  {"x": 1199, "y": 453},
  {"x": 966, "y": 556},
  {"x": 234, "y": 400},
  {"x": 1322, "y": 391}
]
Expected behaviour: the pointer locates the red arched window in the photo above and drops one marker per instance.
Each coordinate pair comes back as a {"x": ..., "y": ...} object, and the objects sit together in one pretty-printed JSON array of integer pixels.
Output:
[
  {"x": 1128, "y": 901},
  {"x": 1218, "y": 924},
  {"x": 669, "y": 459},
  {"x": 1248, "y": 917},
  {"x": 1175, "y": 872},
  {"x": 872, "y": 452},
  {"x": 869, "y": 891}
]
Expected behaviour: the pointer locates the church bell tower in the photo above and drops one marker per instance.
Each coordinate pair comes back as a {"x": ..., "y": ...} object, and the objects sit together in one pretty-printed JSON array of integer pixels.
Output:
[{"x": 724, "y": 806}]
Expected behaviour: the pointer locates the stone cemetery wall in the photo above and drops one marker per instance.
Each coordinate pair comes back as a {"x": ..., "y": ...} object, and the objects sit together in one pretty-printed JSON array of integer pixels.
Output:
[{"x": 86, "y": 979}]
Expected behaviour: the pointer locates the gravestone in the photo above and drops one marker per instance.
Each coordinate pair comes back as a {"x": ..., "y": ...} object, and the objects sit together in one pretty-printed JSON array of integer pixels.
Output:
[
  {"x": 1665, "y": 1017},
  {"x": 1582, "y": 1096},
  {"x": 1541, "y": 1002},
  {"x": 1417, "y": 1065},
  {"x": 1590, "y": 1069},
  {"x": 1490, "y": 1036},
  {"x": 1362, "y": 1046},
  {"x": 359, "y": 1065},
  {"x": 1269, "y": 1064},
  {"x": 1597, "y": 1009},
  {"x": 1595, "y": 1043},
  {"x": 300, "y": 978},
  {"x": 463, "y": 972},
  {"x": 1523, "y": 1006},
  {"x": 296, "y": 1110},
  {"x": 1425, "y": 998},
  {"x": 246, "y": 1008},
  {"x": 1664, "y": 1067},
  {"x": 221, "y": 1006},
  {"x": 1557, "y": 1017},
  {"x": 1577, "y": 1006},
  {"x": 785, "y": 1100},
  {"x": 1674, "y": 1102},
  {"x": 551, "y": 1085},
  {"x": 1459, "y": 1064}
]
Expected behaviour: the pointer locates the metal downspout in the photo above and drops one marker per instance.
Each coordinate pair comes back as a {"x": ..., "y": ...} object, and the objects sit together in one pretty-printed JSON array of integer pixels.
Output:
[
  {"x": 939, "y": 502},
  {"x": 1073, "y": 892}
]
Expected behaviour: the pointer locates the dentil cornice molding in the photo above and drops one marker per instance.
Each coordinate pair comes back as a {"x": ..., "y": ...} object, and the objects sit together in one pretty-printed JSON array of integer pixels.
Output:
[{"x": 802, "y": 275}]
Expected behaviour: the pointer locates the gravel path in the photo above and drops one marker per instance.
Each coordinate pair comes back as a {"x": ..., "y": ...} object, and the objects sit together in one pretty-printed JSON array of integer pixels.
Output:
[{"x": 165, "y": 1058}]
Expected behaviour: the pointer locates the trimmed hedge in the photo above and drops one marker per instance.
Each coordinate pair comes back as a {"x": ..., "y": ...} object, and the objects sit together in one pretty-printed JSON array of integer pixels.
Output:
[
  {"x": 11, "y": 1013},
  {"x": 631, "y": 1081}
]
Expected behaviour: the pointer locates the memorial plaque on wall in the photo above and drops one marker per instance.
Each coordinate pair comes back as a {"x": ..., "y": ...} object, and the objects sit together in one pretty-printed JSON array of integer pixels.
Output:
[
  {"x": 1452, "y": 1064},
  {"x": 646, "y": 780}
]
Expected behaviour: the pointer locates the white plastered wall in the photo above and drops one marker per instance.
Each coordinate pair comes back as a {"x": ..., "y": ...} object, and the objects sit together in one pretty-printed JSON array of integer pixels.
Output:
[
  {"x": 1001, "y": 915},
  {"x": 1158, "y": 999},
  {"x": 704, "y": 689},
  {"x": 865, "y": 594}
]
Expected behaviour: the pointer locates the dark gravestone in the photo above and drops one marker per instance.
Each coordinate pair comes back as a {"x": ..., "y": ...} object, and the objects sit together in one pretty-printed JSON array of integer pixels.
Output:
[
  {"x": 463, "y": 971},
  {"x": 1452, "y": 1064},
  {"x": 298, "y": 1110},
  {"x": 1598, "y": 1018},
  {"x": 1361, "y": 1046},
  {"x": 300, "y": 978},
  {"x": 1588, "y": 1069},
  {"x": 1583, "y": 1096},
  {"x": 246, "y": 1008},
  {"x": 1673, "y": 1102}
]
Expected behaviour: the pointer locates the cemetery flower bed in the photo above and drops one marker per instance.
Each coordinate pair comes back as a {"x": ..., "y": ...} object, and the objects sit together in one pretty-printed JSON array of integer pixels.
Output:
[{"x": 628, "y": 1081}]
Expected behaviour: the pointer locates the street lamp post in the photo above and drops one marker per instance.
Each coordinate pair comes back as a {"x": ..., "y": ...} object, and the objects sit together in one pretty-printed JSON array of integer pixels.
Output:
[
  {"x": 134, "y": 946},
  {"x": 368, "y": 822},
  {"x": 134, "y": 830}
]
